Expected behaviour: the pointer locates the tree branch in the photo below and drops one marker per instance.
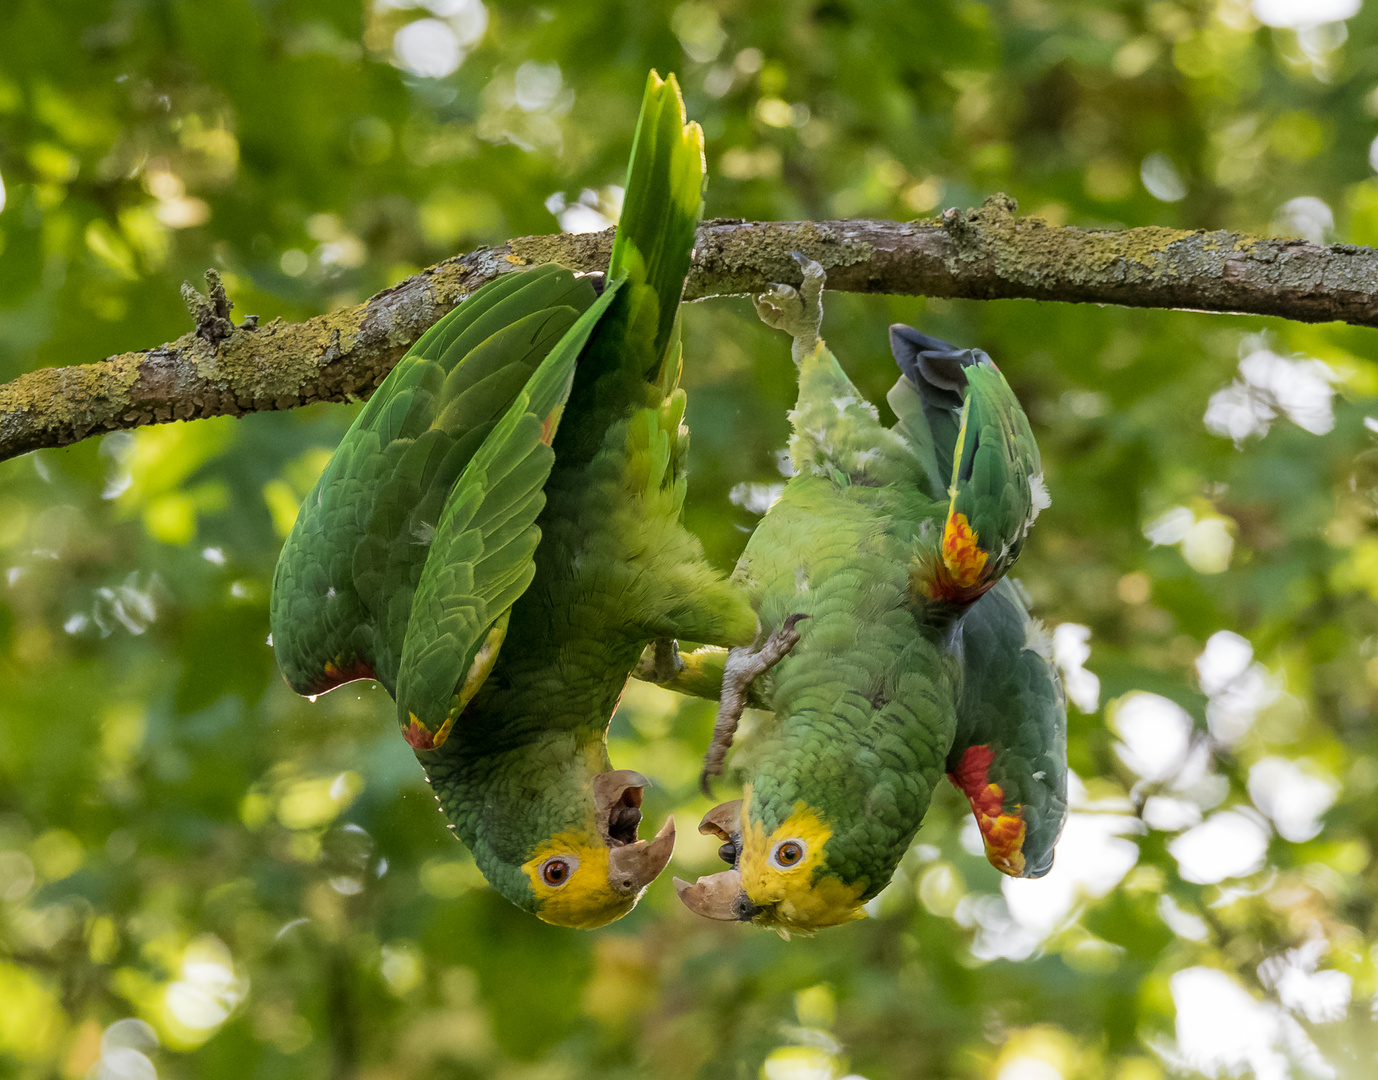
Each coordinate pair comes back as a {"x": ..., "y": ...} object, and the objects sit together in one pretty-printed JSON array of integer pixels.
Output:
[{"x": 982, "y": 254}]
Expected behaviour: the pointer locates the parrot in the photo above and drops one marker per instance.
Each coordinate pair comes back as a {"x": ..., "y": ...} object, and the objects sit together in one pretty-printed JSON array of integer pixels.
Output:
[
  {"x": 898, "y": 650},
  {"x": 497, "y": 538}
]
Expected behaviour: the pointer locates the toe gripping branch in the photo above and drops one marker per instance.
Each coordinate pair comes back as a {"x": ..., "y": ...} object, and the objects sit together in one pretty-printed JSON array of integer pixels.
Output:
[
  {"x": 796, "y": 311},
  {"x": 660, "y": 663},
  {"x": 743, "y": 667}
]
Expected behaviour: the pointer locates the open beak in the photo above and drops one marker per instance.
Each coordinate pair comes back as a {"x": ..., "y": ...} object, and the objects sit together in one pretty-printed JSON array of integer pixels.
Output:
[
  {"x": 617, "y": 804},
  {"x": 720, "y": 895},
  {"x": 632, "y": 864},
  {"x": 725, "y": 822},
  {"x": 631, "y": 867}
]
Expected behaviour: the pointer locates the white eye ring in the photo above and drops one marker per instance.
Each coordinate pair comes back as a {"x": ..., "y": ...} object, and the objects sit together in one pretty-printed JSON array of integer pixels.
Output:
[
  {"x": 562, "y": 866},
  {"x": 788, "y": 854}
]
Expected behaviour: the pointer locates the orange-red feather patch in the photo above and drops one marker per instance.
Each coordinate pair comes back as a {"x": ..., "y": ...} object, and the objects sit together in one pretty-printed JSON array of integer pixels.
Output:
[
  {"x": 959, "y": 577},
  {"x": 962, "y": 554},
  {"x": 550, "y": 423},
  {"x": 419, "y": 736},
  {"x": 1002, "y": 832}
]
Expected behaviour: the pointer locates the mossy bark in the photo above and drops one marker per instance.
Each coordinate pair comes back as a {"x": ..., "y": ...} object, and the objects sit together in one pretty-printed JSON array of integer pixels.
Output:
[{"x": 982, "y": 254}]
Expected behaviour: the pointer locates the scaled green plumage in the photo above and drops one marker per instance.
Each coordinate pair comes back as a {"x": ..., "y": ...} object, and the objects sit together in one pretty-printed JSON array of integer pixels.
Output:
[{"x": 498, "y": 538}]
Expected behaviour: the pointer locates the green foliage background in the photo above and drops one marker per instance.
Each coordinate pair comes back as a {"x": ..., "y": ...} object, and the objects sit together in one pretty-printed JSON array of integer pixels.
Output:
[{"x": 265, "y": 881}]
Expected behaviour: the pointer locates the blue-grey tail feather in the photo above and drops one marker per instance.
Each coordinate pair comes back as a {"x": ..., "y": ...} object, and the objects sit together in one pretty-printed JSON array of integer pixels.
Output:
[{"x": 935, "y": 368}]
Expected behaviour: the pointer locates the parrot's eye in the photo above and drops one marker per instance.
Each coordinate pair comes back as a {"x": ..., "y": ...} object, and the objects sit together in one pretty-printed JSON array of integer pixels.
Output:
[
  {"x": 555, "y": 872},
  {"x": 787, "y": 853}
]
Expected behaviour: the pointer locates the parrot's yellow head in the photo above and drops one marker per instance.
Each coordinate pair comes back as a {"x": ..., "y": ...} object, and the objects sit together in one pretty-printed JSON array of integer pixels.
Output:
[
  {"x": 551, "y": 826},
  {"x": 779, "y": 878},
  {"x": 591, "y": 875}
]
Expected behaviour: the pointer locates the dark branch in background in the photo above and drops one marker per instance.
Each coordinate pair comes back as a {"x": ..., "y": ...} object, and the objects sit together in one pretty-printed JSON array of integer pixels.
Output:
[{"x": 983, "y": 254}]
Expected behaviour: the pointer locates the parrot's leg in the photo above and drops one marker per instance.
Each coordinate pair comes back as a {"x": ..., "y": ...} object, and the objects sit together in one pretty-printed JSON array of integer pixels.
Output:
[
  {"x": 660, "y": 662},
  {"x": 695, "y": 674},
  {"x": 743, "y": 667},
  {"x": 798, "y": 312}
]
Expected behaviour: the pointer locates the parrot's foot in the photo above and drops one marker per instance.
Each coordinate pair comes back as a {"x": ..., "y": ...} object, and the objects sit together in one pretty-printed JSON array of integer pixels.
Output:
[
  {"x": 798, "y": 312},
  {"x": 743, "y": 667},
  {"x": 660, "y": 662}
]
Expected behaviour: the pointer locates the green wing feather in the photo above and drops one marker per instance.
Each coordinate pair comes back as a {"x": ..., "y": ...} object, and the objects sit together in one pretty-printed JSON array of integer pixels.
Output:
[
  {"x": 343, "y": 585},
  {"x": 664, "y": 200},
  {"x": 970, "y": 434},
  {"x": 618, "y": 365},
  {"x": 407, "y": 558},
  {"x": 482, "y": 556},
  {"x": 993, "y": 466},
  {"x": 1011, "y": 734}
]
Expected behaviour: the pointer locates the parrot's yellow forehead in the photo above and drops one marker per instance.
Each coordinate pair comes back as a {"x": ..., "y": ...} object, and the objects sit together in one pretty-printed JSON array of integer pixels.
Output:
[
  {"x": 794, "y": 895},
  {"x": 585, "y": 898}
]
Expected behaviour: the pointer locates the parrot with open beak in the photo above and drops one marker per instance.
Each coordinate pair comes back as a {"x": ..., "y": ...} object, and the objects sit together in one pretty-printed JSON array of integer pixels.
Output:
[
  {"x": 498, "y": 537},
  {"x": 896, "y": 652}
]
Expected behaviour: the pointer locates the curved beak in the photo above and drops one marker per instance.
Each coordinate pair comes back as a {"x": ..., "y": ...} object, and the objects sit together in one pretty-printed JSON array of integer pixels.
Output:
[
  {"x": 631, "y": 867},
  {"x": 720, "y": 895},
  {"x": 724, "y": 821},
  {"x": 608, "y": 787},
  {"x": 632, "y": 864}
]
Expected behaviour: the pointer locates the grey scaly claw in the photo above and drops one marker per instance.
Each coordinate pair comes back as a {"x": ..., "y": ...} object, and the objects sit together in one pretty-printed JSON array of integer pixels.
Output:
[
  {"x": 796, "y": 311},
  {"x": 780, "y": 307},
  {"x": 743, "y": 667}
]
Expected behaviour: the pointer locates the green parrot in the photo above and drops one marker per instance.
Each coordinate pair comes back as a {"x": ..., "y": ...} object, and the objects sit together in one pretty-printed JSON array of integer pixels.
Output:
[
  {"x": 897, "y": 652},
  {"x": 498, "y": 537}
]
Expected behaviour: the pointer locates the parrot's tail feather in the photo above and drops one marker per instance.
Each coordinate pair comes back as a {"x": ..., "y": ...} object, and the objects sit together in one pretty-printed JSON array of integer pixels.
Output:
[
  {"x": 1009, "y": 756},
  {"x": 928, "y": 399},
  {"x": 664, "y": 200},
  {"x": 934, "y": 366}
]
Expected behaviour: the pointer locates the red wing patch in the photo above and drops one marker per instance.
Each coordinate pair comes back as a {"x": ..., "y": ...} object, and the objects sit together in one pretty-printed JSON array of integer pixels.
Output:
[
  {"x": 419, "y": 736},
  {"x": 1002, "y": 832},
  {"x": 337, "y": 672}
]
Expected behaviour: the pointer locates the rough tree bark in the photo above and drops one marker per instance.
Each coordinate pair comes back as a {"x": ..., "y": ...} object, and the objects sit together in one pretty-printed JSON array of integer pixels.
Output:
[{"x": 985, "y": 254}]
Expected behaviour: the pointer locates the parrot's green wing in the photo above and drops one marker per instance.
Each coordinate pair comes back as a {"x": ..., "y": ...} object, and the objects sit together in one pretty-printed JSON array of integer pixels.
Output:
[
  {"x": 483, "y": 556},
  {"x": 971, "y": 436},
  {"x": 1010, "y": 754},
  {"x": 343, "y": 585},
  {"x": 620, "y": 359},
  {"x": 967, "y": 428},
  {"x": 481, "y": 559}
]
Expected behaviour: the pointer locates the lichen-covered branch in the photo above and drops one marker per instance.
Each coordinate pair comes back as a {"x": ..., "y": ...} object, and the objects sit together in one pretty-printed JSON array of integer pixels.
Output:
[{"x": 982, "y": 254}]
